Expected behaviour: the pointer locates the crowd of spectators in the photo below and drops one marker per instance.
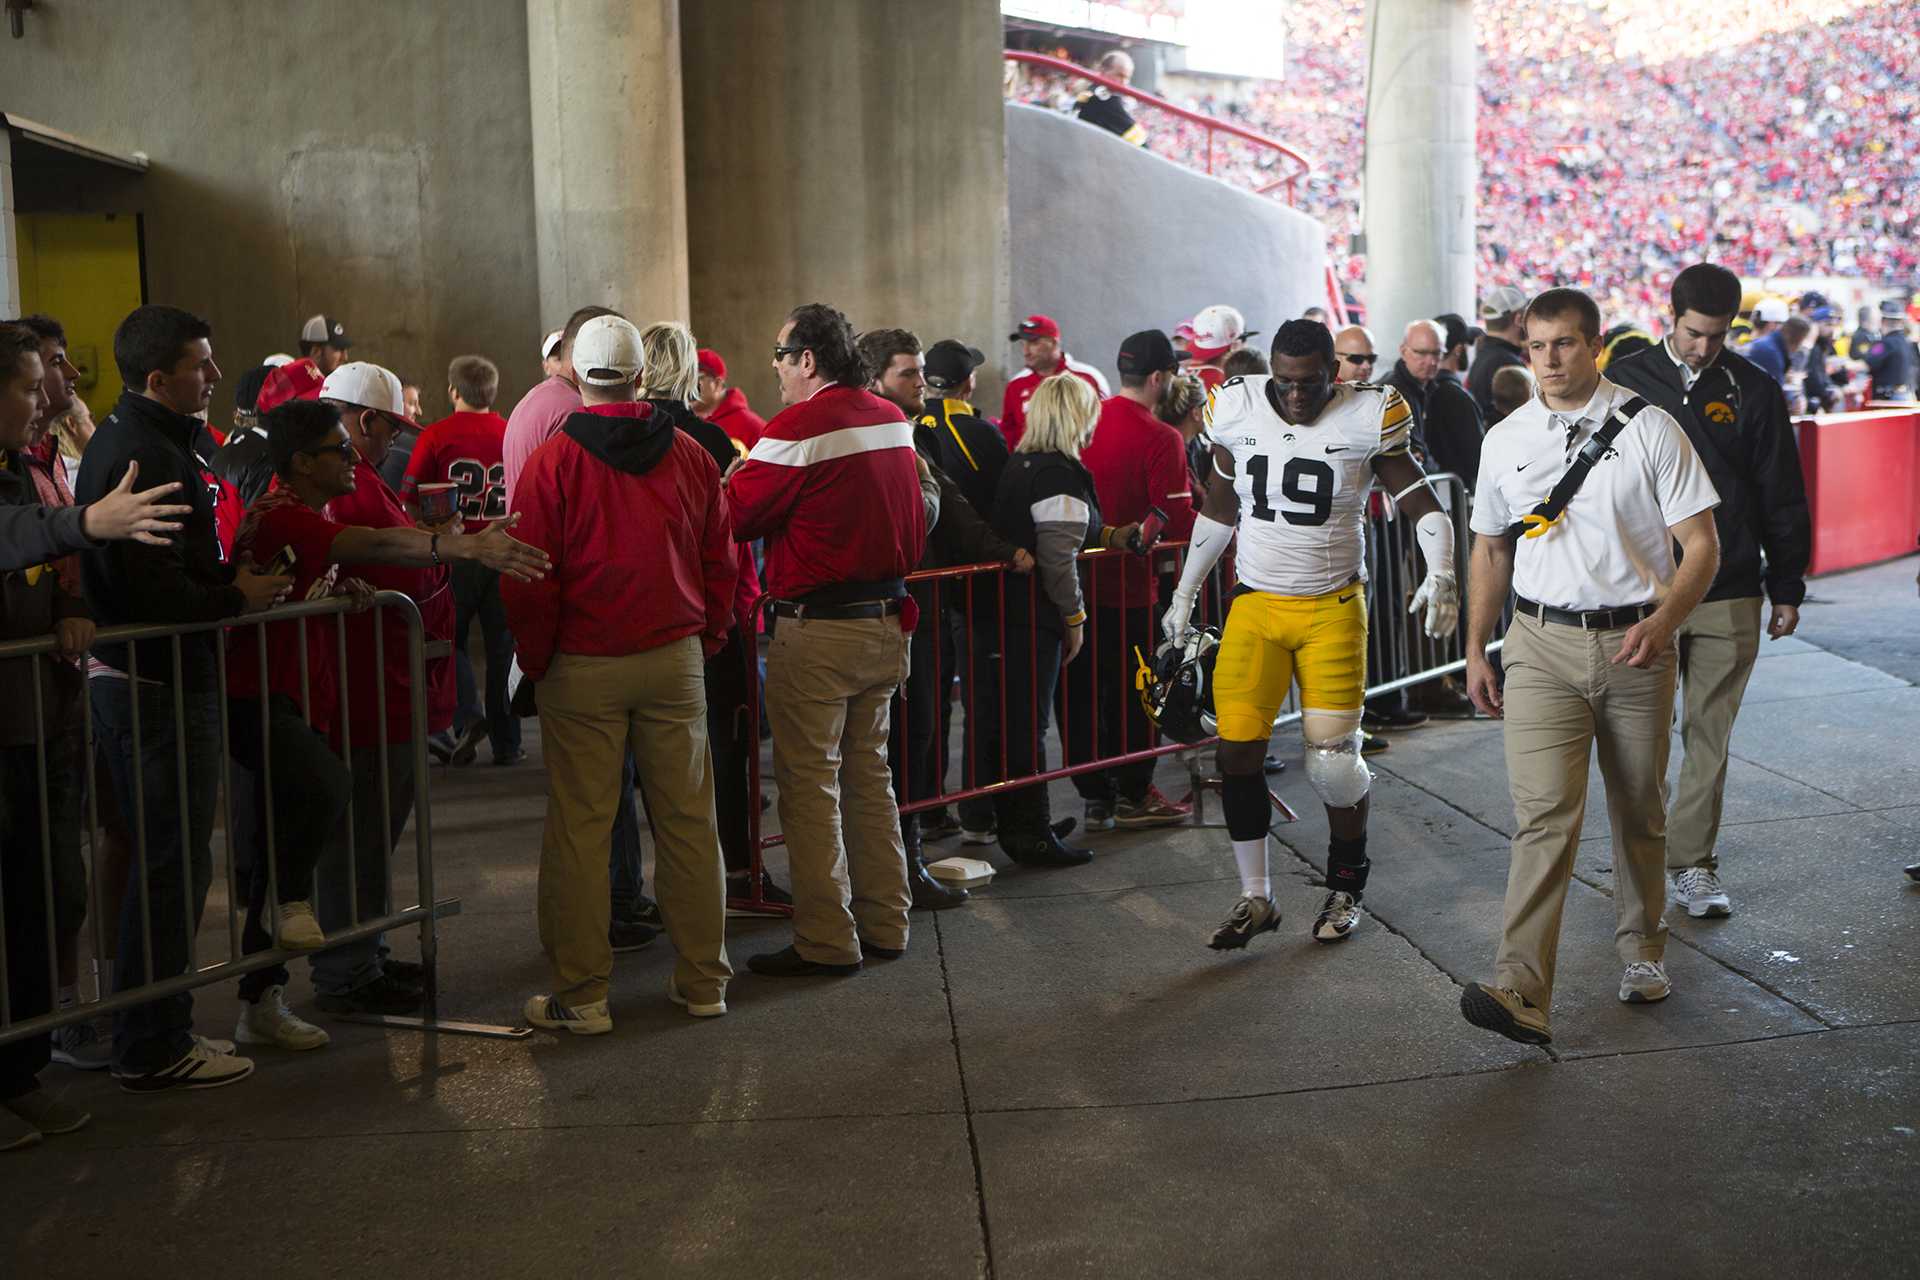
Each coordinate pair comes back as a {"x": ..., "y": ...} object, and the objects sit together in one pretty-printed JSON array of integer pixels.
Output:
[{"x": 1778, "y": 139}]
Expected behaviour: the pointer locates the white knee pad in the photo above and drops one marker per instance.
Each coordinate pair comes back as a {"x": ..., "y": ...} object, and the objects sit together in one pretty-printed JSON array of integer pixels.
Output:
[{"x": 1334, "y": 767}]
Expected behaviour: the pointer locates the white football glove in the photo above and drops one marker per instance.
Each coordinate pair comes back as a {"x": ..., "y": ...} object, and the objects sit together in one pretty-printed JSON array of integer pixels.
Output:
[
  {"x": 1173, "y": 624},
  {"x": 1439, "y": 596}
]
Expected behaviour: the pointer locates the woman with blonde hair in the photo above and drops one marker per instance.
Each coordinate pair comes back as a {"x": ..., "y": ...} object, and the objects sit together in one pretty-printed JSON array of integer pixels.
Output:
[
  {"x": 1045, "y": 501},
  {"x": 669, "y": 381}
]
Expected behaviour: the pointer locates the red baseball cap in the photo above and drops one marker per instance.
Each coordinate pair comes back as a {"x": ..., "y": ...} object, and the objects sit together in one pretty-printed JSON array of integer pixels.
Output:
[
  {"x": 300, "y": 380},
  {"x": 712, "y": 365},
  {"x": 1035, "y": 326}
]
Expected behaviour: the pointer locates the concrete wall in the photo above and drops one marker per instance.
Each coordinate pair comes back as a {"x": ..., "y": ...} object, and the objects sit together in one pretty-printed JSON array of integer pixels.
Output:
[
  {"x": 609, "y": 177},
  {"x": 1110, "y": 239},
  {"x": 361, "y": 157},
  {"x": 850, "y": 152}
]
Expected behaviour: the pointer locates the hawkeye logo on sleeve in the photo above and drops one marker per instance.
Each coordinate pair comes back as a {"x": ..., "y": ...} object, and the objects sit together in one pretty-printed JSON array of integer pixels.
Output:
[{"x": 1719, "y": 412}]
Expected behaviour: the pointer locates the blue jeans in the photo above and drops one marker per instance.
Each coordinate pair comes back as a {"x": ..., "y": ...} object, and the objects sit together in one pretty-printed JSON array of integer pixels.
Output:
[
  {"x": 623, "y": 853},
  {"x": 179, "y": 865}
]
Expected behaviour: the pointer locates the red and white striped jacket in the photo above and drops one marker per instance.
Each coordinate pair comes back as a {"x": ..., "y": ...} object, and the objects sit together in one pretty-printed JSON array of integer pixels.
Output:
[{"x": 832, "y": 486}]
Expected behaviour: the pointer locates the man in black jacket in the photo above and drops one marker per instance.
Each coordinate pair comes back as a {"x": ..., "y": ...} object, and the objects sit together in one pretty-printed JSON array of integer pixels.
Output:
[
  {"x": 165, "y": 357},
  {"x": 1736, "y": 417},
  {"x": 961, "y": 536},
  {"x": 1500, "y": 309},
  {"x": 243, "y": 461}
]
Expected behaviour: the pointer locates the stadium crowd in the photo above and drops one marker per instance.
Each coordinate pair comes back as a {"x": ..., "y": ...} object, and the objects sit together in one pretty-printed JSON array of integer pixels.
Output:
[{"x": 1783, "y": 140}]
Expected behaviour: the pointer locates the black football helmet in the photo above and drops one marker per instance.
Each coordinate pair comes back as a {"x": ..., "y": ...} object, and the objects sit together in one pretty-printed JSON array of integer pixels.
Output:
[{"x": 1177, "y": 690}]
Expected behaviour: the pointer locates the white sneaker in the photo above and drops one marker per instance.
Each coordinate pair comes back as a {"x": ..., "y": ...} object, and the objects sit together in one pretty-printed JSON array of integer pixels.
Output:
[
  {"x": 583, "y": 1020},
  {"x": 1339, "y": 914},
  {"x": 697, "y": 1010},
  {"x": 201, "y": 1067},
  {"x": 969, "y": 836},
  {"x": 1644, "y": 982},
  {"x": 269, "y": 1021},
  {"x": 299, "y": 930},
  {"x": 1698, "y": 891}
]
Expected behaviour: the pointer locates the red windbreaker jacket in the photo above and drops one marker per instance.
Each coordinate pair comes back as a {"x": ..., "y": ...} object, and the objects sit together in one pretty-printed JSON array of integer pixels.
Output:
[{"x": 632, "y": 513}]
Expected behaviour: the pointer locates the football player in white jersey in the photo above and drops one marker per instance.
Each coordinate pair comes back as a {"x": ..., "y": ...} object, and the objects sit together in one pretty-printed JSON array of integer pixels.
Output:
[{"x": 1294, "y": 456}]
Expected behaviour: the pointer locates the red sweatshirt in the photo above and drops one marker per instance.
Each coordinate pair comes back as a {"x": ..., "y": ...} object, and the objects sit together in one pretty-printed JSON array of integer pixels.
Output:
[
  {"x": 1137, "y": 462},
  {"x": 833, "y": 488},
  {"x": 632, "y": 513}
]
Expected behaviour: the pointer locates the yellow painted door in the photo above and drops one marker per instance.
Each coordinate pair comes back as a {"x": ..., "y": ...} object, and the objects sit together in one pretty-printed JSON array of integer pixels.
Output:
[{"x": 84, "y": 270}]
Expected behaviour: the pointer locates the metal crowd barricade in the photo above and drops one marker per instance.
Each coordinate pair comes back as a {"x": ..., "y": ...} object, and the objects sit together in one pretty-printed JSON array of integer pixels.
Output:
[
  {"x": 1401, "y": 655},
  {"x": 424, "y": 912}
]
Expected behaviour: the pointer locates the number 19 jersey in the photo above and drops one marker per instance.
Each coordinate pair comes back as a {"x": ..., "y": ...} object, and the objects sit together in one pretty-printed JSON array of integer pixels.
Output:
[{"x": 1303, "y": 489}]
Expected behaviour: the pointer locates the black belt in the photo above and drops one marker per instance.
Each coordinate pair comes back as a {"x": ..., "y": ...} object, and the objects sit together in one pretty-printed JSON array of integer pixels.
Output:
[
  {"x": 836, "y": 612},
  {"x": 1587, "y": 620}
]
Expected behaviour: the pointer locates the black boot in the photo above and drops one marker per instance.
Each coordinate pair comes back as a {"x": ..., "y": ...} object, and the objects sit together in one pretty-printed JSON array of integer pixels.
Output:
[
  {"x": 928, "y": 893},
  {"x": 1044, "y": 849}
]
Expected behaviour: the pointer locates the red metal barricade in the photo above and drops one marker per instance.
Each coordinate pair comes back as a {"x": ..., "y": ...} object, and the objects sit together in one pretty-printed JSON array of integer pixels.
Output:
[{"x": 964, "y": 590}]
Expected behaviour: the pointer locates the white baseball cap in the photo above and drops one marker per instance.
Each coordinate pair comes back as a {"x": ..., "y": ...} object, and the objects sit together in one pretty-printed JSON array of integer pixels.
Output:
[
  {"x": 551, "y": 344},
  {"x": 277, "y": 359},
  {"x": 1771, "y": 311},
  {"x": 368, "y": 386},
  {"x": 606, "y": 352},
  {"x": 1501, "y": 300},
  {"x": 1215, "y": 330}
]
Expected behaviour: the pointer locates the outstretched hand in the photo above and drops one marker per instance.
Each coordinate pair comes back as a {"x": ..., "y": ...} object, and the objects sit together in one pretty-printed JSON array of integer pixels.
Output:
[
  {"x": 502, "y": 551},
  {"x": 124, "y": 515}
]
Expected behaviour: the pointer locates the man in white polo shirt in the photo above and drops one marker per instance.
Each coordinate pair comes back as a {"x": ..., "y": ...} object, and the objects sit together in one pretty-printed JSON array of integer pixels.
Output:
[{"x": 1582, "y": 493}]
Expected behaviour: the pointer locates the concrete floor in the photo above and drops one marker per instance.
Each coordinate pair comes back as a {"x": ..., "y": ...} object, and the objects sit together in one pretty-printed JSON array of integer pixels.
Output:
[{"x": 1060, "y": 1079}]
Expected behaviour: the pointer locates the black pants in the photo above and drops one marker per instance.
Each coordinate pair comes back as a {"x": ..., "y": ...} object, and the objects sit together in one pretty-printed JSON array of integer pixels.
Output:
[
  {"x": 976, "y": 814},
  {"x": 1029, "y": 669},
  {"x": 23, "y": 879},
  {"x": 1100, "y": 712},
  {"x": 913, "y": 734},
  {"x": 310, "y": 789},
  {"x": 727, "y": 705},
  {"x": 476, "y": 597}
]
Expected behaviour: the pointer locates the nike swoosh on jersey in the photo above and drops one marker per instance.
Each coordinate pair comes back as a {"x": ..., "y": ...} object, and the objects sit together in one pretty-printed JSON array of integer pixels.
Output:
[
  {"x": 1523, "y": 466},
  {"x": 1336, "y": 448}
]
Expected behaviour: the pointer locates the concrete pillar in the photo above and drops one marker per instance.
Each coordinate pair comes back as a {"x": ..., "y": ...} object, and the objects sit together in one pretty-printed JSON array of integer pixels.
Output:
[
  {"x": 1420, "y": 166},
  {"x": 850, "y": 152},
  {"x": 609, "y": 167}
]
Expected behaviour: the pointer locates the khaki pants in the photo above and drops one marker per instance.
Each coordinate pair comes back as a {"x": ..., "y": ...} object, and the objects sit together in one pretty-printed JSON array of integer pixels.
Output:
[
  {"x": 1564, "y": 696},
  {"x": 591, "y": 709},
  {"x": 830, "y": 687},
  {"x": 1718, "y": 643}
]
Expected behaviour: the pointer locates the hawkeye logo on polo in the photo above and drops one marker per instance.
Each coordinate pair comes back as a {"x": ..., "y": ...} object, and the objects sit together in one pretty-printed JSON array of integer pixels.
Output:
[{"x": 1719, "y": 412}]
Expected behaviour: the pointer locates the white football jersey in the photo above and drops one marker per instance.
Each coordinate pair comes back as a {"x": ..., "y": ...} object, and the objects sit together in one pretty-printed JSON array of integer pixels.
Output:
[{"x": 1303, "y": 489}]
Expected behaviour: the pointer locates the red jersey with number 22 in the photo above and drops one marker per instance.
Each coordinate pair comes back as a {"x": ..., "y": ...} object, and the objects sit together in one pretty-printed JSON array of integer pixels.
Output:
[{"x": 464, "y": 449}]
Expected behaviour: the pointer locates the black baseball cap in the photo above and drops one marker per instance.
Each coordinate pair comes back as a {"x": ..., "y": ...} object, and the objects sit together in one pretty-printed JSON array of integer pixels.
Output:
[
  {"x": 950, "y": 361},
  {"x": 324, "y": 328},
  {"x": 1458, "y": 331},
  {"x": 1148, "y": 351}
]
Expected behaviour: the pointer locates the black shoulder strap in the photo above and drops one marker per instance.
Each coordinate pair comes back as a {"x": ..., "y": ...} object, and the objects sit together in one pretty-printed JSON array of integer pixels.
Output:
[{"x": 1542, "y": 517}]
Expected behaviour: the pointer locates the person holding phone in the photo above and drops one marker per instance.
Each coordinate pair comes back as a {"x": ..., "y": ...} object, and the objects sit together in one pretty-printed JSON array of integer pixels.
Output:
[
  {"x": 1138, "y": 463},
  {"x": 286, "y": 528}
]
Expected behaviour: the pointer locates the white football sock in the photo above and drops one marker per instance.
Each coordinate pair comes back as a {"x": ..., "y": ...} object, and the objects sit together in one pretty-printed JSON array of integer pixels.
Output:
[{"x": 1251, "y": 855}]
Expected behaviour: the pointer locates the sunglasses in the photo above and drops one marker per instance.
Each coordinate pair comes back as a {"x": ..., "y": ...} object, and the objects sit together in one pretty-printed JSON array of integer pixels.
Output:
[
  {"x": 1359, "y": 359},
  {"x": 344, "y": 451},
  {"x": 782, "y": 353},
  {"x": 1286, "y": 386}
]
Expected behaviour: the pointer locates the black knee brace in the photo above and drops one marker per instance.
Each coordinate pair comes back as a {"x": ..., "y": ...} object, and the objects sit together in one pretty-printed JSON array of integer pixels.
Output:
[{"x": 1244, "y": 797}]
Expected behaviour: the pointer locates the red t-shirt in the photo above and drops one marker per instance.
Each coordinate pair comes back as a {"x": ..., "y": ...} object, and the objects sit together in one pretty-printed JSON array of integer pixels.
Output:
[
  {"x": 465, "y": 449},
  {"x": 275, "y": 521},
  {"x": 374, "y": 505}
]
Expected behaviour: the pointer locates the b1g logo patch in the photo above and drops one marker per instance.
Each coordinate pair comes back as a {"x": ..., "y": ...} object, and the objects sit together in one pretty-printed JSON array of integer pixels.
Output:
[{"x": 1719, "y": 412}]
